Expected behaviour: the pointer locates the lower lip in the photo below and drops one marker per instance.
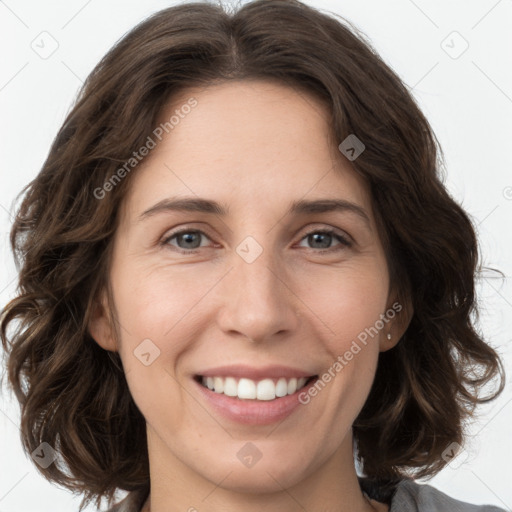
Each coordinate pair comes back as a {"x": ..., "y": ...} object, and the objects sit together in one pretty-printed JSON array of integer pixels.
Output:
[{"x": 253, "y": 412}]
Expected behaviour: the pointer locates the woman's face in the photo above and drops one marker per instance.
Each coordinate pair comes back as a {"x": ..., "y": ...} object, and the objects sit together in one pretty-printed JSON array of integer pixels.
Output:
[{"x": 259, "y": 285}]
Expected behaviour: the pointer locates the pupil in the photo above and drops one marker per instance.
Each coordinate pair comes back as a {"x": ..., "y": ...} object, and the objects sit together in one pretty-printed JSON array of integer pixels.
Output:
[
  {"x": 189, "y": 239},
  {"x": 318, "y": 237}
]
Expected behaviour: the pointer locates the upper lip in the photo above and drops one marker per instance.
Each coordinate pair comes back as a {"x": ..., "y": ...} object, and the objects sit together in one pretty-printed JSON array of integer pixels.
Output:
[{"x": 250, "y": 372}]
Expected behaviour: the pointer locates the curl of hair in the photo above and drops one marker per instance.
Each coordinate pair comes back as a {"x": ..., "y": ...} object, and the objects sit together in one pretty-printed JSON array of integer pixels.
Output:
[{"x": 73, "y": 394}]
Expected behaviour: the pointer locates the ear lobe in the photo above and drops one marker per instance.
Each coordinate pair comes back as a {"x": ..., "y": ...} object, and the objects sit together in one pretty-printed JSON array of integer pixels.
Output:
[{"x": 100, "y": 326}]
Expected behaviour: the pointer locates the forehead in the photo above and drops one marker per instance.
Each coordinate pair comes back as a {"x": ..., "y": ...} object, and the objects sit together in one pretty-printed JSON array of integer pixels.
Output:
[{"x": 253, "y": 143}]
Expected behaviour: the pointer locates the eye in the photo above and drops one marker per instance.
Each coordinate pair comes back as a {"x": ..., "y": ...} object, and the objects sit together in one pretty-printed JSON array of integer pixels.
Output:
[
  {"x": 186, "y": 240},
  {"x": 322, "y": 239}
]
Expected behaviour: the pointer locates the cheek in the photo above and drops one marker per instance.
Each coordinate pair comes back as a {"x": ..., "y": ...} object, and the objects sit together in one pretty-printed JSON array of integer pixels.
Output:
[
  {"x": 161, "y": 311},
  {"x": 346, "y": 301},
  {"x": 159, "y": 301},
  {"x": 348, "y": 305}
]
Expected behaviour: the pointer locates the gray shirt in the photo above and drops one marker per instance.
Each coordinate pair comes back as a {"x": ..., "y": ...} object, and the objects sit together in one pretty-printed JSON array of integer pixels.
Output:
[{"x": 408, "y": 497}]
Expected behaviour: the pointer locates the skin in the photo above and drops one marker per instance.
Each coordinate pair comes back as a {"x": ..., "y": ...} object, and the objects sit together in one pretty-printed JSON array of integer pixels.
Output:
[{"x": 255, "y": 147}]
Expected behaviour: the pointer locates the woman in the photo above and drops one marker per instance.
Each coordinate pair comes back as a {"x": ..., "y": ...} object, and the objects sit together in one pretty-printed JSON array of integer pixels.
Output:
[{"x": 182, "y": 336}]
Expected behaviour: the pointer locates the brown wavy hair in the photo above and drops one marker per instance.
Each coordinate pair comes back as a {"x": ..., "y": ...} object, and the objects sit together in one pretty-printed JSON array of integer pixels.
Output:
[{"x": 73, "y": 394}]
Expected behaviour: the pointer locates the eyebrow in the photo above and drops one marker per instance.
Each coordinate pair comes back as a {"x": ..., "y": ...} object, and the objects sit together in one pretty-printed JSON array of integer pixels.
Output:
[{"x": 196, "y": 204}]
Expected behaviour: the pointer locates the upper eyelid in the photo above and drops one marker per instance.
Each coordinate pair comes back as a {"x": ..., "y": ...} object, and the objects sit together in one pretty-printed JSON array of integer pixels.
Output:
[{"x": 179, "y": 231}]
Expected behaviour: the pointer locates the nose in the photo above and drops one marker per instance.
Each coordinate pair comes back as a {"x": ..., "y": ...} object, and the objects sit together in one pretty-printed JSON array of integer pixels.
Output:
[{"x": 258, "y": 300}]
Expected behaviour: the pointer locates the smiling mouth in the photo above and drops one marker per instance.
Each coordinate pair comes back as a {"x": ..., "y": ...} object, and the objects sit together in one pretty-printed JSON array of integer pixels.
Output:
[{"x": 247, "y": 389}]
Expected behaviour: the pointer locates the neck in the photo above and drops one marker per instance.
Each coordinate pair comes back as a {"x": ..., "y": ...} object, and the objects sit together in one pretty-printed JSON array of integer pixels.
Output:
[{"x": 331, "y": 487}]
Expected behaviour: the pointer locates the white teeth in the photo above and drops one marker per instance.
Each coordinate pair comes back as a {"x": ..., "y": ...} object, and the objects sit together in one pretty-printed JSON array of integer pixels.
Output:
[
  {"x": 266, "y": 389},
  {"x": 281, "y": 387},
  {"x": 246, "y": 388},
  {"x": 230, "y": 387},
  {"x": 292, "y": 386},
  {"x": 218, "y": 384}
]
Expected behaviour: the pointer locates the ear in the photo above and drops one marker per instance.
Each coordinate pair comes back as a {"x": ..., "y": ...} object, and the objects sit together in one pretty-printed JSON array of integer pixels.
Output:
[
  {"x": 100, "y": 325},
  {"x": 399, "y": 313}
]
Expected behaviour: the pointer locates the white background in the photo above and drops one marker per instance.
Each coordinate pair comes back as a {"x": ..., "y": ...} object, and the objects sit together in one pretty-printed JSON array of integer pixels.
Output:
[{"x": 468, "y": 101}]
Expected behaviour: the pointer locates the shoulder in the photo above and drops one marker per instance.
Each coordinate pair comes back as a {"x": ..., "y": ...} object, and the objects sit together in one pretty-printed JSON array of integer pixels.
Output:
[{"x": 411, "y": 496}]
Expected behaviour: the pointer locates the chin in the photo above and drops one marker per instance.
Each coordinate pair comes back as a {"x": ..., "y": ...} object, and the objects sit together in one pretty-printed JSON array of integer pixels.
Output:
[{"x": 259, "y": 481}]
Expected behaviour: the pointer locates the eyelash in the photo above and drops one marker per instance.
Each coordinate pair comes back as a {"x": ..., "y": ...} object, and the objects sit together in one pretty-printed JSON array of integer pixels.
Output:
[{"x": 344, "y": 242}]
